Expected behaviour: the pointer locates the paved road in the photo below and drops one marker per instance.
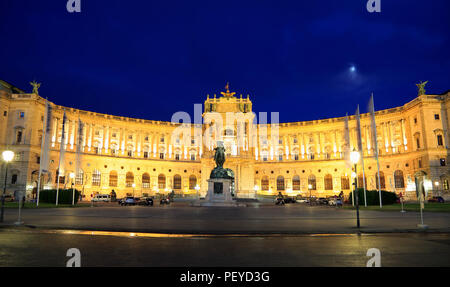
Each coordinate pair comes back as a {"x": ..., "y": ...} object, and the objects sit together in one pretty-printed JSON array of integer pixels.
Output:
[
  {"x": 181, "y": 218},
  {"x": 45, "y": 248}
]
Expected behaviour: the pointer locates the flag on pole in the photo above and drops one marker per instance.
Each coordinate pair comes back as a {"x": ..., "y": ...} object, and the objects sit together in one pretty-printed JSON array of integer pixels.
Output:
[
  {"x": 361, "y": 151},
  {"x": 62, "y": 152},
  {"x": 45, "y": 146},
  {"x": 375, "y": 142}
]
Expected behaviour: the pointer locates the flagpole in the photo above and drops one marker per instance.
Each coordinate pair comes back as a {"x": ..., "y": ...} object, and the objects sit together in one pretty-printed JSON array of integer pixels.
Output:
[
  {"x": 44, "y": 134},
  {"x": 61, "y": 154},
  {"x": 361, "y": 150},
  {"x": 40, "y": 163},
  {"x": 375, "y": 143}
]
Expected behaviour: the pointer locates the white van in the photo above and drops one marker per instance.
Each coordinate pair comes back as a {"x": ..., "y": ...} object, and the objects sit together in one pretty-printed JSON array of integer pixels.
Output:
[{"x": 102, "y": 197}]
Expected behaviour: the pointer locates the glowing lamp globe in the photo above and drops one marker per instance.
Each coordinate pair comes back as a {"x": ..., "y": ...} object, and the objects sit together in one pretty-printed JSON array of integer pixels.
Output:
[
  {"x": 354, "y": 157},
  {"x": 8, "y": 155}
]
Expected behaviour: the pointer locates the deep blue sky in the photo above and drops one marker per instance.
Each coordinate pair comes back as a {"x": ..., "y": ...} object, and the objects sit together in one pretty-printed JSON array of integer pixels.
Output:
[{"x": 149, "y": 59}]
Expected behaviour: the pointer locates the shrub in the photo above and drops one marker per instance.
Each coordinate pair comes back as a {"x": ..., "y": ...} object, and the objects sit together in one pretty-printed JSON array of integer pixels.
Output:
[
  {"x": 65, "y": 196},
  {"x": 373, "y": 197}
]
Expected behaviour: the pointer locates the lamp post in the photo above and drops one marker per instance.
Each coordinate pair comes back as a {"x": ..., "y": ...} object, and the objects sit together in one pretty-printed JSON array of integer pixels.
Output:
[
  {"x": 133, "y": 185},
  {"x": 197, "y": 188},
  {"x": 7, "y": 156},
  {"x": 72, "y": 176},
  {"x": 354, "y": 158},
  {"x": 310, "y": 188}
]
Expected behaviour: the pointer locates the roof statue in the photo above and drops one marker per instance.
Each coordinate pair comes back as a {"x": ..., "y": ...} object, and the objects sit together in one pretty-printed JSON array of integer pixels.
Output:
[
  {"x": 35, "y": 87},
  {"x": 421, "y": 87},
  {"x": 227, "y": 94}
]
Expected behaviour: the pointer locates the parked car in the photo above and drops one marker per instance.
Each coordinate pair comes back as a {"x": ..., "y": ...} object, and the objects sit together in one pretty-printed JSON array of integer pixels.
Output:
[
  {"x": 301, "y": 199},
  {"x": 322, "y": 200},
  {"x": 279, "y": 201},
  {"x": 147, "y": 201},
  {"x": 439, "y": 199},
  {"x": 332, "y": 201},
  {"x": 289, "y": 200},
  {"x": 129, "y": 200},
  {"x": 164, "y": 200},
  {"x": 101, "y": 198}
]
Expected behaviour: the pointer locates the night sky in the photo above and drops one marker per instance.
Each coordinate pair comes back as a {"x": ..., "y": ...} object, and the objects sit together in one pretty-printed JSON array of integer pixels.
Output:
[{"x": 149, "y": 59}]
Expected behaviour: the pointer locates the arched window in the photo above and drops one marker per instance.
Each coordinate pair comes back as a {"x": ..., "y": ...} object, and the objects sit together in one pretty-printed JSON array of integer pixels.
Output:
[
  {"x": 280, "y": 183},
  {"x": 382, "y": 180},
  {"x": 399, "y": 180},
  {"x": 192, "y": 182},
  {"x": 96, "y": 177},
  {"x": 161, "y": 181},
  {"x": 361, "y": 181},
  {"x": 440, "y": 141},
  {"x": 14, "y": 178},
  {"x": 62, "y": 178},
  {"x": 328, "y": 181},
  {"x": 296, "y": 182},
  {"x": 312, "y": 182},
  {"x": 129, "y": 179},
  {"x": 113, "y": 178},
  {"x": 79, "y": 177},
  {"x": 176, "y": 181},
  {"x": 265, "y": 183},
  {"x": 345, "y": 183},
  {"x": 145, "y": 180}
]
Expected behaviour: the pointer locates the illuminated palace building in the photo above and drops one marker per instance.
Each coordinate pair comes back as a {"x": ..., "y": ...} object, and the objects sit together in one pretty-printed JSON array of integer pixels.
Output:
[{"x": 148, "y": 157}]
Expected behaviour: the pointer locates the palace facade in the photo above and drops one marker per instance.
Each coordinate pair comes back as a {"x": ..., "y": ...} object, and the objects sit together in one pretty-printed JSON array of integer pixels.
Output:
[{"x": 147, "y": 157}]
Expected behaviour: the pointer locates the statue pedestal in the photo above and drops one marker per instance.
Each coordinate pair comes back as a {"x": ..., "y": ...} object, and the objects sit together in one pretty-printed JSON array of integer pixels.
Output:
[{"x": 219, "y": 194}]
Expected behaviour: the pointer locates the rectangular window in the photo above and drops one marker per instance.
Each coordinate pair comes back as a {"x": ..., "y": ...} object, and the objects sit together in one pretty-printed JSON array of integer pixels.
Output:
[
  {"x": 5, "y": 113},
  {"x": 161, "y": 155},
  {"x": 145, "y": 154},
  {"x": 21, "y": 115},
  {"x": 280, "y": 157},
  {"x": 177, "y": 156},
  {"x": 442, "y": 161},
  {"x": 296, "y": 156},
  {"x": 420, "y": 163},
  {"x": 439, "y": 140},
  {"x": 130, "y": 153},
  {"x": 192, "y": 156},
  {"x": 162, "y": 139},
  {"x": 436, "y": 116}
]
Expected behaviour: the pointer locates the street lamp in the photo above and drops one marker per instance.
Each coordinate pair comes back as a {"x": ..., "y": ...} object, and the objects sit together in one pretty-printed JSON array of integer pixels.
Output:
[
  {"x": 354, "y": 158},
  {"x": 310, "y": 188},
  {"x": 197, "y": 188},
  {"x": 72, "y": 176},
  {"x": 7, "y": 156},
  {"x": 133, "y": 185}
]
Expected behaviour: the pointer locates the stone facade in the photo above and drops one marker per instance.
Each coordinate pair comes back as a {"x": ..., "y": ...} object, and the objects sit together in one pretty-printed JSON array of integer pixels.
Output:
[{"x": 136, "y": 156}]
